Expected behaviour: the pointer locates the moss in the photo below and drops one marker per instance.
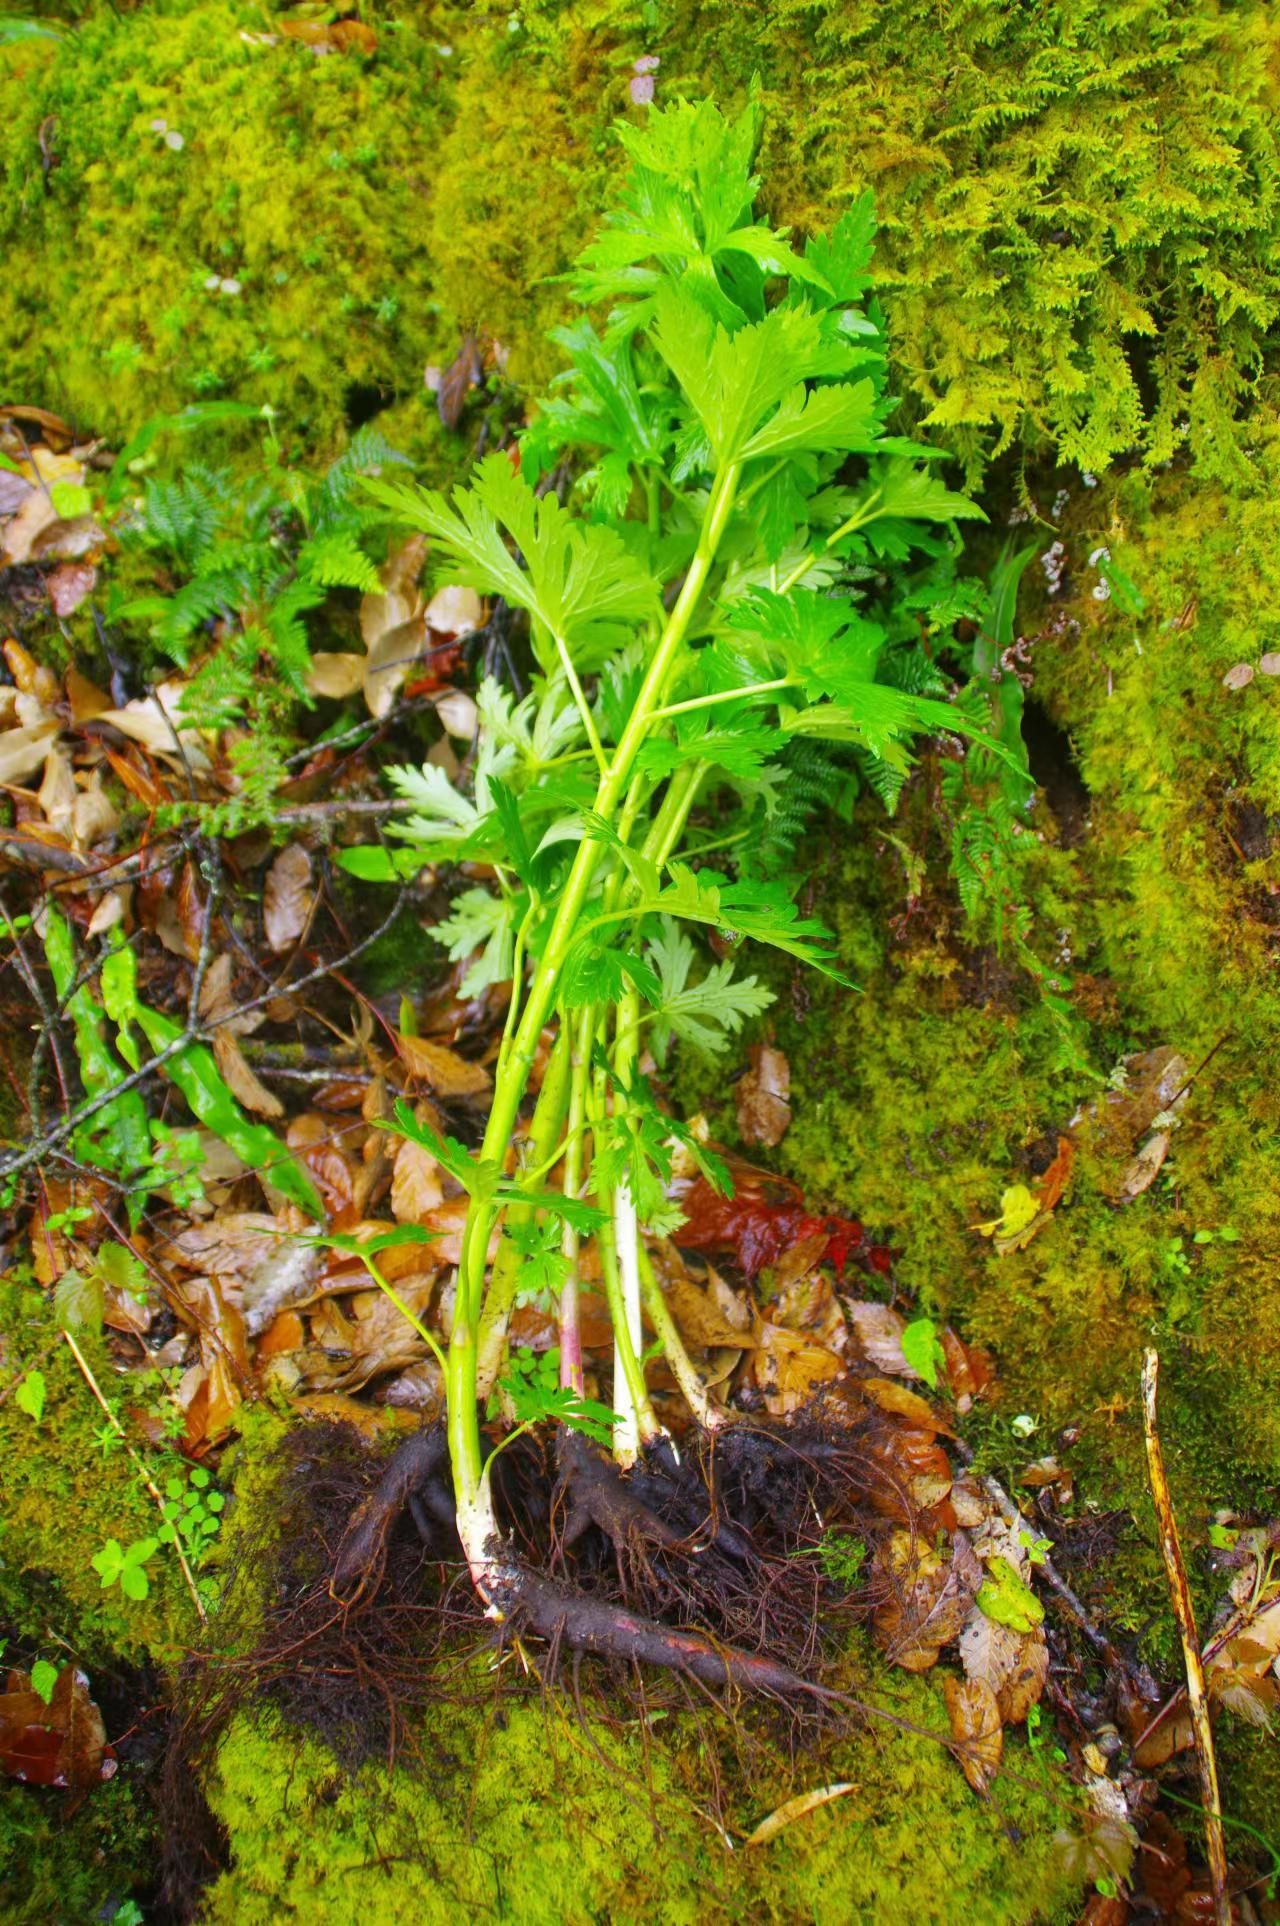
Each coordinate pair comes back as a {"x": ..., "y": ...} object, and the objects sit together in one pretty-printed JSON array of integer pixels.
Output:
[
  {"x": 301, "y": 181},
  {"x": 531, "y": 1814},
  {"x": 64, "y": 1496},
  {"x": 63, "y": 1862},
  {"x": 1079, "y": 203}
]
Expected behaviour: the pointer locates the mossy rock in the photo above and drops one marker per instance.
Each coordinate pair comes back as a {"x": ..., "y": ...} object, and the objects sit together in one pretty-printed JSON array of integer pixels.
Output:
[
  {"x": 275, "y": 255},
  {"x": 535, "y": 1814},
  {"x": 67, "y": 1489},
  {"x": 1080, "y": 205}
]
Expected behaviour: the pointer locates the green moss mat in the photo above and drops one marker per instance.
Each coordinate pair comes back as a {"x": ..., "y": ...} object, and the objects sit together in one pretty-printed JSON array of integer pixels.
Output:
[
  {"x": 519, "y": 1817},
  {"x": 1079, "y": 203}
]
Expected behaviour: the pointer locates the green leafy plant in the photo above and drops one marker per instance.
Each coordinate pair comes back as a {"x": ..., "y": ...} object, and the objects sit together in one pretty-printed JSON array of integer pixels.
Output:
[
  {"x": 745, "y": 568},
  {"x": 192, "y": 1512},
  {"x": 256, "y": 556},
  {"x": 126, "y": 1565},
  {"x": 44, "y": 1677},
  {"x": 30, "y": 1395}
]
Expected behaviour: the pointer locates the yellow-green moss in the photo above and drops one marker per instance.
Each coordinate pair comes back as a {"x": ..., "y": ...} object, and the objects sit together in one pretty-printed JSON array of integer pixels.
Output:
[
  {"x": 62, "y": 1865},
  {"x": 1079, "y": 202},
  {"x": 63, "y": 1497},
  {"x": 517, "y": 1815},
  {"x": 301, "y": 178}
]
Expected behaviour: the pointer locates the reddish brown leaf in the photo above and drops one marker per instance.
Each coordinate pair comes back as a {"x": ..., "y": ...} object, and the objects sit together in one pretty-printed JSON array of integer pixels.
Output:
[
  {"x": 68, "y": 585},
  {"x": 1054, "y": 1182},
  {"x": 63, "y": 1743},
  {"x": 457, "y": 381}
]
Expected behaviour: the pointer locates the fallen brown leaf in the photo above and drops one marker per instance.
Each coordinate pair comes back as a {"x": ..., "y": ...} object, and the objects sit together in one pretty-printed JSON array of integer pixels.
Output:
[
  {"x": 287, "y": 898},
  {"x": 764, "y": 1097},
  {"x": 63, "y": 1743},
  {"x": 976, "y": 1728},
  {"x": 448, "y": 1074},
  {"x": 241, "y": 1080}
]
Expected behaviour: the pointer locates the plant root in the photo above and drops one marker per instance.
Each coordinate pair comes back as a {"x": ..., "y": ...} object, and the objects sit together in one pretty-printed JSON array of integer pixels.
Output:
[{"x": 411, "y": 1477}]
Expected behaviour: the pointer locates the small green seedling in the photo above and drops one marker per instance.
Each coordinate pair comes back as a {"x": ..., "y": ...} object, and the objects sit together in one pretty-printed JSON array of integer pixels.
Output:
[{"x": 125, "y": 1566}]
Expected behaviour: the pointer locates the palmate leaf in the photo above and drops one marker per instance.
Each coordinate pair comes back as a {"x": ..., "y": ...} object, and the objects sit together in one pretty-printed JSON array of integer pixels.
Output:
[
  {"x": 706, "y": 1014},
  {"x": 580, "y": 581},
  {"x": 842, "y": 418},
  {"x": 480, "y": 922},
  {"x": 734, "y": 380},
  {"x": 762, "y": 911},
  {"x": 843, "y": 257}
]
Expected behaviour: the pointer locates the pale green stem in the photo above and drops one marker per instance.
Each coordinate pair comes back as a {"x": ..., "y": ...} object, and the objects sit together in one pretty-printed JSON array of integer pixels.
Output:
[
  {"x": 867, "y": 512},
  {"x": 708, "y": 1415},
  {"x": 725, "y": 695},
  {"x": 570, "y": 1319},
  {"x": 463, "y": 1418},
  {"x": 584, "y": 707},
  {"x": 504, "y": 1284}
]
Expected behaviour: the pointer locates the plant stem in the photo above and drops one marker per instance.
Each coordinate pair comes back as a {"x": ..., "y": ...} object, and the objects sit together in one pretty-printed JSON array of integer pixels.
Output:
[
  {"x": 1184, "y": 1612},
  {"x": 464, "y": 1428},
  {"x": 570, "y": 1320},
  {"x": 708, "y": 1415},
  {"x": 139, "y": 1465},
  {"x": 544, "y": 1135}
]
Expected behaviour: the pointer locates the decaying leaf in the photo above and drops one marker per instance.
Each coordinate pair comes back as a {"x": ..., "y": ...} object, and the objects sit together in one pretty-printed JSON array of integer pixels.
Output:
[
  {"x": 448, "y": 1074},
  {"x": 416, "y": 1183},
  {"x": 287, "y": 898},
  {"x": 241, "y": 1079},
  {"x": 792, "y": 1809},
  {"x": 1014, "y": 1666},
  {"x": 928, "y": 1599},
  {"x": 788, "y": 1370},
  {"x": 764, "y": 1097},
  {"x": 62, "y": 1743},
  {"x": 976, "y": 1727},
  {"x": 393, "y": 626}
]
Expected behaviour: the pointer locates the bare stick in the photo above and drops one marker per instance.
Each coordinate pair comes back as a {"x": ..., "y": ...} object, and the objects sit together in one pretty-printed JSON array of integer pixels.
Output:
[
  {"x": 1183, "y": 1611},
  {"x": 143, "y": 1473}
]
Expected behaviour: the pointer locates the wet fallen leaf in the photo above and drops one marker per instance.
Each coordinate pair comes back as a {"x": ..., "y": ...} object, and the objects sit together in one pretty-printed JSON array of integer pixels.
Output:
[
  {"x": 976, "y": 1727},
  {"x": 393, "y": 626},
  {"x": 1053, "y": 1183},
  {"x": 416, "y": 1183},
  {"x": 1014, "y": 1665},
  {"x": 877, "y": 1332},
  {"x": 797, "y": 1808},
  {"x": 903, "y": 1403},
  {"x": 1146, "y": 1166},
  {"x": 287, "y": 898},
  {"x": 23, "y": 750},
  {"x": 242, "y": 1080},
  {"x": 335, "y": 675},
  {"x": 788, "y": 1370},
  {"x": 329, "y": 37},
  {"x": 928, "y": 1597},
  {"x": 68, "y": 585},
  {"x": 61, "y": 1743},
  {"x": 462, "y": 374},
  {"x": 764, "y": 1097},
  {"x": 448, "y": 1074}
]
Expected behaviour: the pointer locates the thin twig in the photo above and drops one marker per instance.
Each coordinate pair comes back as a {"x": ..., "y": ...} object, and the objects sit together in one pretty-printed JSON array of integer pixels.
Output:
[
  {"x": 143, "y": 1473},
  {"x": 1184, "y": 1612}
]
